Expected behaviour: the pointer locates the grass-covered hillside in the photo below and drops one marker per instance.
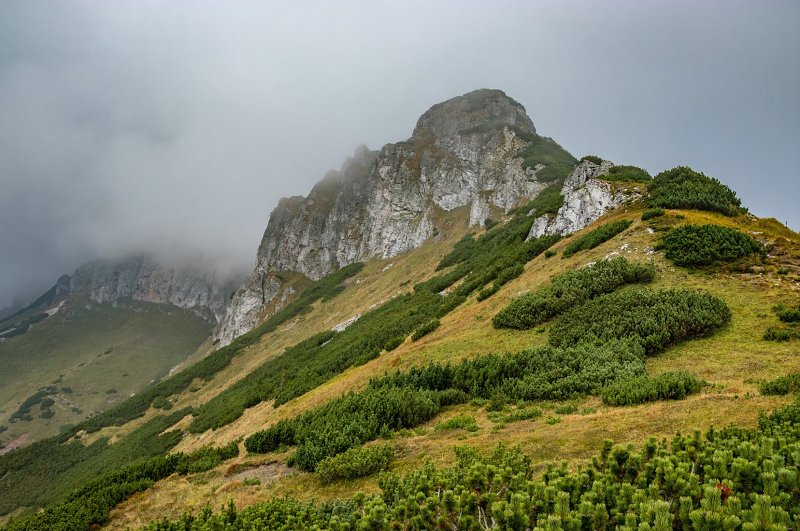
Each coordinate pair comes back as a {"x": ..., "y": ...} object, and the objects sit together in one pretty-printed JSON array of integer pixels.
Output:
[
  {"x": 459, "y": 373},
  {"x": 83, "y": 359}
]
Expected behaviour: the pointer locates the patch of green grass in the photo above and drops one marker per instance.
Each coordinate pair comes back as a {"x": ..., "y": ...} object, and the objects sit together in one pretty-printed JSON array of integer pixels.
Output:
[{"x": 459, "y": 422}]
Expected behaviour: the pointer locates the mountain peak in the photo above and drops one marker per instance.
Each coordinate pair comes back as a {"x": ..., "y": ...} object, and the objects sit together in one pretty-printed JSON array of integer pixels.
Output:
[{"x": 477, "y": 112}]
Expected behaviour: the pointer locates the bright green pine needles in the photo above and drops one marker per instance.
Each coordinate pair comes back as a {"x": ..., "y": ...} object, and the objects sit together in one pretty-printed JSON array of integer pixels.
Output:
[
  {"x": 656, "y": 319},
  {"x": 355, "y": 463},
  {"x": 702, "y": 245},
  {"x": 569, "y": 289},
  {"x": 598, "y": 236},
  {"x": 666, "y": 386},
  {"x": 683, "y": 187},
  {"x": 730, "y": 479},
  {"x": 627, "y": 174},
  {"x": 782, "y": 385}
]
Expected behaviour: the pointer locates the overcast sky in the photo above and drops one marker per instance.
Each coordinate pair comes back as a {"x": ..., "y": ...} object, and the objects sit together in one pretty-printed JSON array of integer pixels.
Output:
[{"x": 176, "y": 126}]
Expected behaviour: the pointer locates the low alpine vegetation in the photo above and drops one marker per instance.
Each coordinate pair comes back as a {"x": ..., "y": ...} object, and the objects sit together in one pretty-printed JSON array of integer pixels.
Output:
[
  {"x": 542, "y": 373},
  {"x": 783, "y": 385},
  {"x": 627, "y": 174},
  {"x": 781, "y": 334},
  {"x": 655, "y": 319},
  {"x": 651, "y": 213},
  {"x": 425, "y": 329},
  {"x": 682, "y": 187},
  {"x": 355, "y": 463},
  {"x": 598, "y": 236},
  {"x": 666, "y": 386},
  {"x": 702, "y": 245},
  {"x": 788, "y": 315},
  {"x": 570, "y": 289},
  {"x": 730, "y": 479}
]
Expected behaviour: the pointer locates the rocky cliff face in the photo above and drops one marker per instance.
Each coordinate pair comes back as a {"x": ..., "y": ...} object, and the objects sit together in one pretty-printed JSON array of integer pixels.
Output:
[
  {"x": 463, "y": 153},
  {"x": 586, "y": 198},
  {"x": 142, "y": 278}
]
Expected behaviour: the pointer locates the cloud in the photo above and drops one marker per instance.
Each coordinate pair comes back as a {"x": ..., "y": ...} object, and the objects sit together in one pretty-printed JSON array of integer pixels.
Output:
[{"x": 176, "y": 126}]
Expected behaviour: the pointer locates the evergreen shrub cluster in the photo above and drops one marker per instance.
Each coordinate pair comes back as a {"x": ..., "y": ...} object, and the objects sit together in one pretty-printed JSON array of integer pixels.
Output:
[
  {"x": 783, "y": 385},
  {"x": 651, "y": 213},
  {"x": 666, "y": 386},
  {"x": 788, "y": 315},
  {"x": 627, "y": 174},
  {"x": 655, "y": 319},
  {"x": 682, "y": 187},
  {"x": 728, "y": 479},
  {"x": 781, "y": 334},
  {"x": 570, "y": 289},
  {"x": 598, "y": 236},
  {"x": 425, "y": 329},
  {"x": 349, "y": 421},
  {"x": 702, "y": 245},
  {"x": 594, "y": 159},
  {"x": 355, "y": 463}
]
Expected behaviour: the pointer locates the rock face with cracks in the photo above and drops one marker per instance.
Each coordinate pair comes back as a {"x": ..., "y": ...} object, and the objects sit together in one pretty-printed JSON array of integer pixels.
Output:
[
  {"x": 586, "y": 198},
  {"x": 463, "y": 152},
  {"x": 143, "y": 278}
]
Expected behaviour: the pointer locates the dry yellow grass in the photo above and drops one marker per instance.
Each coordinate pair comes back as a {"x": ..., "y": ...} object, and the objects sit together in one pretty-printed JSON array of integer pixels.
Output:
[{"x": 733, "y": 361}]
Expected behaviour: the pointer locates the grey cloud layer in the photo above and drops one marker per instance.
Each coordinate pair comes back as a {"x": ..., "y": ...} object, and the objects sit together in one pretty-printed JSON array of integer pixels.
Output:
[{"x": 176, "y": 126}]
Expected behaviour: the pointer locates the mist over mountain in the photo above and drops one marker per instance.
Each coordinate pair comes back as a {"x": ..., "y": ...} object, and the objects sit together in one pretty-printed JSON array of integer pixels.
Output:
[{"x": 173, "y": 130}]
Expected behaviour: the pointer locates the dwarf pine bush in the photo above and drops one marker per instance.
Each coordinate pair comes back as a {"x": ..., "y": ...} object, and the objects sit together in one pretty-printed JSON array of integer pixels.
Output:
[
  {"x": 569, "y": 289},
  {"x": 655, "y": 319},
  {"x": 598, "y": 236},
  {"x": 702, "y": 245},
  {"x": 682, "y": 187}
]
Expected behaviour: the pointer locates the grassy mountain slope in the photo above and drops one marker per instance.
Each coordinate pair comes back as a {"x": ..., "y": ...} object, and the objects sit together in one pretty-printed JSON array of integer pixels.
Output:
[
  {"x": 733, "y": 361},
  {"x": 91, "y": 356}
]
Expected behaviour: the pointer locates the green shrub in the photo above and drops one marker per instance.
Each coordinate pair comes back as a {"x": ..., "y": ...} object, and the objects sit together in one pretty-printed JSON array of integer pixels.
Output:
[
  {"x": 715, "y": 480},
  {"x": 394, "y": 343},
  {"x": 594, "y": 159},
  {"x": 349, "y": 421},
  {"x": 781, "y": 334},
  {"x": 655, "y": 319},
  {"x": 701, "y": 245},
  {"x": 355, "y": 463},
  {"x": 651, "y": 213},
  {"x": 542, "y": 373},
  {"x": 683, "y": 187},
  {"x": 205, "y": 458},
  {"x": 782, "y": 385},
  {"x": 666, "y": 386},
  {"x": 425, "y": 329},
  {"x": 569, "y": 289},
  {"x": 788, "y": 315},
  {"x": 485, "y": 293},
  {"x": 549, "y": 253},
  {"x": 488, "y": 223},
  {"x": 598, "y": 236},
  {"x": 627, "y": 174}
]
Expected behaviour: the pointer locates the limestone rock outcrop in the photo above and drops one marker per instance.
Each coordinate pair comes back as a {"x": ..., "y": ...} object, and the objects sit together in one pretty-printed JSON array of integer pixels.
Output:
[
  {"x": 143, "y": 278},
  {"x": 586, "y": 198}
]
